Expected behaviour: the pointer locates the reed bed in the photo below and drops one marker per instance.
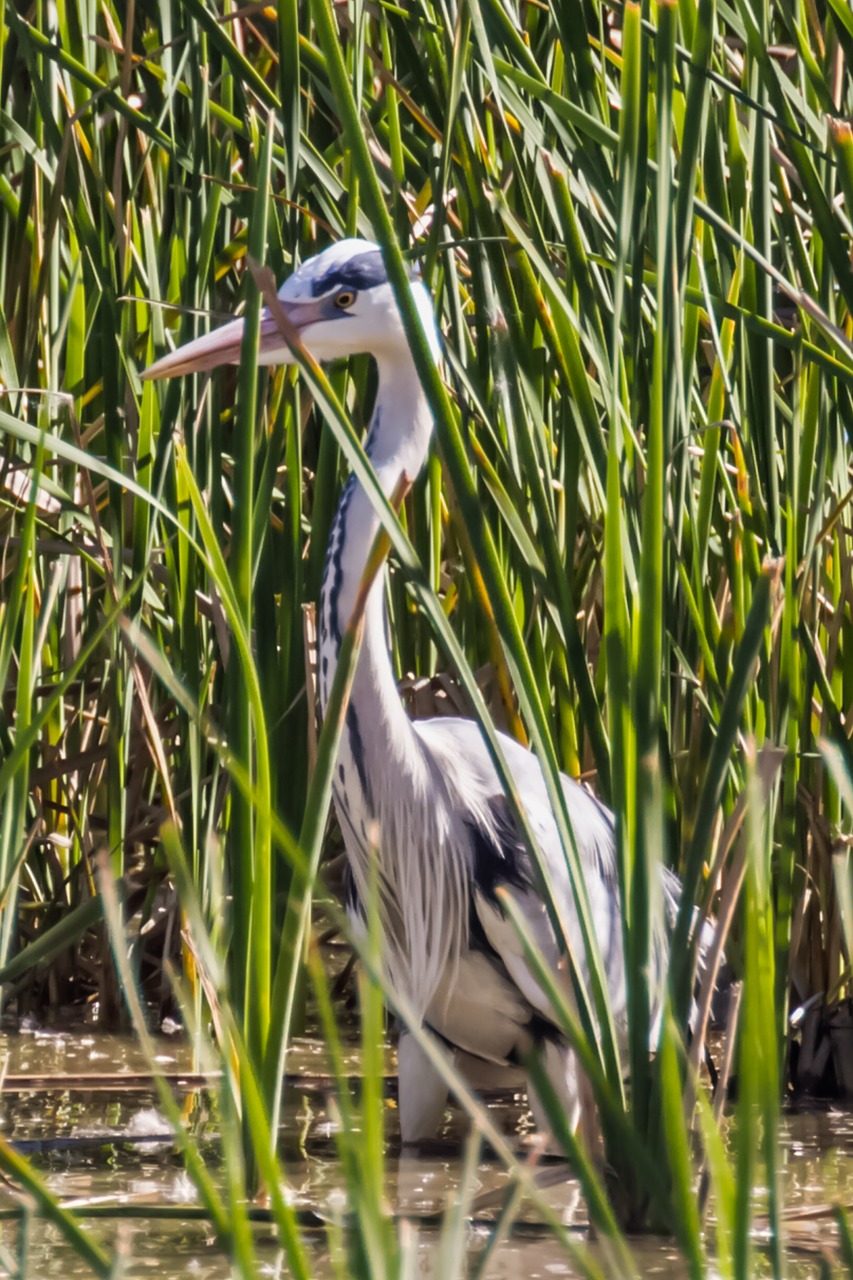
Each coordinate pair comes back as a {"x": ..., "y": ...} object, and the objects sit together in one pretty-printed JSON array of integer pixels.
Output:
[{"x": 631, "y": 547}]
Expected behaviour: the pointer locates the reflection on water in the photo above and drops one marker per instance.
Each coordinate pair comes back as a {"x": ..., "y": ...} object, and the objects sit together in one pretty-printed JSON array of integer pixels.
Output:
[
  {"x": 92, "y": 1143},
  {"x": 59, "y": 1052},
  {"x": 188, "y": 1251}
]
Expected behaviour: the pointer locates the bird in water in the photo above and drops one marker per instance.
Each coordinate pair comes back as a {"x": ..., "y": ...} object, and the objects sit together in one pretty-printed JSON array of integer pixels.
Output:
[{"x": 424, "y": 797}]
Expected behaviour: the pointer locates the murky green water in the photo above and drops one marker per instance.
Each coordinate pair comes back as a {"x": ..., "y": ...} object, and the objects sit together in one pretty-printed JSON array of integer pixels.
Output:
[{"x": 101, "y": 1142}]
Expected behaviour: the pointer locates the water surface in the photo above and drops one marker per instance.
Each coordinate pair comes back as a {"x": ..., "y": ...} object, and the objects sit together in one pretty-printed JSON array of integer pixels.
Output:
[{"x": 103, "y": 1140}]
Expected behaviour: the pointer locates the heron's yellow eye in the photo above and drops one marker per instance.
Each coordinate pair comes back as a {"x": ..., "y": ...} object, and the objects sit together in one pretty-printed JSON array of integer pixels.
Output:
[{"x": 345, "y": 299}]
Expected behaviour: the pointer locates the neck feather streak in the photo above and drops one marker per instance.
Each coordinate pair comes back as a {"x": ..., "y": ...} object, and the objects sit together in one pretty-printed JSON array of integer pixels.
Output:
[{"x": 385, "y": 777}]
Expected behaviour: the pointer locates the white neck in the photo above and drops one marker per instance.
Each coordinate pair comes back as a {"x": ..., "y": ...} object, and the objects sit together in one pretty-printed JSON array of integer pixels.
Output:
[
  {"x": 392, "y": 793},
  {"x": 397, "y": 443}
]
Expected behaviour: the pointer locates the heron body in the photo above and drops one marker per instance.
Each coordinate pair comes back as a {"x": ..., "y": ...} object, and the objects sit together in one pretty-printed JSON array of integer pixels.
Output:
[{"x": 424, "y": 798}]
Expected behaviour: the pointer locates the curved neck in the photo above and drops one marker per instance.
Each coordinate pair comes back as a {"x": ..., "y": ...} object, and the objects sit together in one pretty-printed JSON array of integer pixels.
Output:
[{"x": 376, "y": 724}]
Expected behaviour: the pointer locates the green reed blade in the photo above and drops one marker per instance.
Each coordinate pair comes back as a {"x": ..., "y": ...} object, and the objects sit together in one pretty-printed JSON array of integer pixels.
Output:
[
  {"x": 616, "y": 1123},
  {"x": 249, "y": 842},
  {"x": 688, "y": 1225},
  {"x": 317, "y": 805},
  {"x": 718, "y": 766},
  {"x": 456, "y": 461},
  {"x": 16, "y": 1167}
]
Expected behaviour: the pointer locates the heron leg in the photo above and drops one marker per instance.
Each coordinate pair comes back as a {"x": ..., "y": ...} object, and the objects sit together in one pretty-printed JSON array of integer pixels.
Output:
[
  {"x": 422, "y": 1092},
  {"x": 574, "y": 1093}
]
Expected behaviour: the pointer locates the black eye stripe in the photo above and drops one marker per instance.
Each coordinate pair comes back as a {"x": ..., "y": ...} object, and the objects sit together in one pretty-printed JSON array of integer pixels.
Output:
[{"x": 363, "y": 272}]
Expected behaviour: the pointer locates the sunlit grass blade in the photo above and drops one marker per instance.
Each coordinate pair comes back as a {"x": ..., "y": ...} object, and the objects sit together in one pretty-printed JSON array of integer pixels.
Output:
[
  {"x": 80, "y": 1240},
  {"x": 688, "y": 1224},
  {"x": 715, "y": 777},
  {"x": 318, "y": 801},
  {"x": 635, "y": 223},
  {"x": 455, "y": 459},
  {"x": 758, "y": 1074}
]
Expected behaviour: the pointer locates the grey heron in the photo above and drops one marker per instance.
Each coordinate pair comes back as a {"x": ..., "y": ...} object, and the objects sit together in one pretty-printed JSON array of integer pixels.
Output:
[{"x": 446, "y": 837}]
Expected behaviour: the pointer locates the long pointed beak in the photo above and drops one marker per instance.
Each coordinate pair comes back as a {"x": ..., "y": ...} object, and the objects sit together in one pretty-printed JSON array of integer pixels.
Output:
[{"x": 222, "y": 346}]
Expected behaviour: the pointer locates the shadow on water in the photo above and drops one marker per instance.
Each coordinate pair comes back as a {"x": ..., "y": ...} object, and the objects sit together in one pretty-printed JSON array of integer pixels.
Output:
[{"x": 101, "y": 1141}]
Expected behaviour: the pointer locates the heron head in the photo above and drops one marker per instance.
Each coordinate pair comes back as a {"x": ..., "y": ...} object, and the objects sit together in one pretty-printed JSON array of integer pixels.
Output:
[{"x": 340, "y": 303}]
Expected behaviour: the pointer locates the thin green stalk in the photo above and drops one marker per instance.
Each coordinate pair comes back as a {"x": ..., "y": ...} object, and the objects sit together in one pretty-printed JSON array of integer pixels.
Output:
[
  {"x": 459, "y": 470},
  {"x": 249, "y": 845}
]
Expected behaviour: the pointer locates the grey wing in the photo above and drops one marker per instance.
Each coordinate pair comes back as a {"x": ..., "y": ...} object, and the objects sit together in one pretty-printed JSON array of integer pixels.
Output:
[{"x": 499, "y": 857}]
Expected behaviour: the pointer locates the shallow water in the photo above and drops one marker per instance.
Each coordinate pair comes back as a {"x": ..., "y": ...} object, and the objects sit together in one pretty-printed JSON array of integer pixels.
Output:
[{"x": 99, "y": 1139}]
